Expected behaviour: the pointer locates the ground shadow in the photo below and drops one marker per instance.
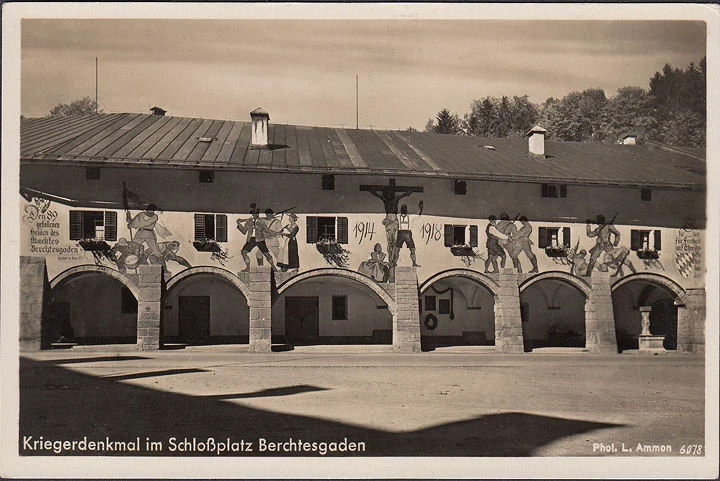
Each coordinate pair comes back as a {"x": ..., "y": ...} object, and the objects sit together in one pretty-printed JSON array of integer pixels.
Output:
[
  {"x": 81, "y": 360},
  {"x": 97, "y": 407},
  {"x": 166, "y": 372},
  {"x": 280, "y": 391}
]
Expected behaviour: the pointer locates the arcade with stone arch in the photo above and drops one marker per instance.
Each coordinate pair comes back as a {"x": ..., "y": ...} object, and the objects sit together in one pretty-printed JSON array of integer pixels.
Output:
[{"x": 451, "y": 307}]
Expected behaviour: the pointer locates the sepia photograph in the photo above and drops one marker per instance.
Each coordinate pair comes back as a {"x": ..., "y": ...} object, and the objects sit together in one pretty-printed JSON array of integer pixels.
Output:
[{"x": 359, "y": 241}]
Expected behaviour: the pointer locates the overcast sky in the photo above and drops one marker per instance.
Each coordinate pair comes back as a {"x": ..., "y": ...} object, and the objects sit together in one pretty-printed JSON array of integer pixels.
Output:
[{"x": 303, "y": 72}]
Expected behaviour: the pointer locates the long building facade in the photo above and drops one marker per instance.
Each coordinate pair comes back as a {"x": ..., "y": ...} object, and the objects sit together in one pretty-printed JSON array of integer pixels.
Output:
[{"x": 134, "y": 229}]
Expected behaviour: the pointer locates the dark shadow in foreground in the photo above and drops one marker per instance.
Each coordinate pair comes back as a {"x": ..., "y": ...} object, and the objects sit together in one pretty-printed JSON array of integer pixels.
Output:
[{"x": 97, "y": 408}]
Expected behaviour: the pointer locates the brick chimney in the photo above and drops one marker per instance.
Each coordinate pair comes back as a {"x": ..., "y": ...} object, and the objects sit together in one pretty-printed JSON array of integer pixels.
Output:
[
  {"x": 536, "y": 141},
  {"x": 260, "y": 120}
]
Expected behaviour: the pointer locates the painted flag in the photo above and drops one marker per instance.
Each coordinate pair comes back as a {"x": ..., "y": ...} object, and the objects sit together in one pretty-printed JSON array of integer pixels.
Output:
[{"x": 685, "y": 262}]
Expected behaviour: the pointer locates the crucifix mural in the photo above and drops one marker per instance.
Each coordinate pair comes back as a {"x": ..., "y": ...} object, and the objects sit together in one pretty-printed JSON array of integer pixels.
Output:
[{"x": 391, "y": 194}]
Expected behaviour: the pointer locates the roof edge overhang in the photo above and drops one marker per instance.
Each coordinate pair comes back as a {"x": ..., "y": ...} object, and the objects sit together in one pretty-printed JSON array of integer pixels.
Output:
[{"x": 168, "y": 164}]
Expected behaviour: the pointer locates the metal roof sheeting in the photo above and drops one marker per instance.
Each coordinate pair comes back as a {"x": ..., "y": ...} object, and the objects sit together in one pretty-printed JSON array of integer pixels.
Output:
[{"x": 147, "y": 140}]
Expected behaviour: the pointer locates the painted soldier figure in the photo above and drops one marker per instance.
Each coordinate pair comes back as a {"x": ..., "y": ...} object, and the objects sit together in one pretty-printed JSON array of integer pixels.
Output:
[
  {"x": 145, "y": 223},
  {"x": 520, "y": 242},
  {"x": 603, "y": 243},
  {"x": 494, "y": 249}
]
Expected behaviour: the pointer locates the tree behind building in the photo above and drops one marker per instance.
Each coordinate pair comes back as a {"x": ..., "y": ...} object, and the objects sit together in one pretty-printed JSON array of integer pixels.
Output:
[{"x": 83, "y": 106}]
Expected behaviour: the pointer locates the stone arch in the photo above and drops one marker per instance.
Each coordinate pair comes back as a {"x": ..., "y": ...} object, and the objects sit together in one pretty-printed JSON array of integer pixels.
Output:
[
  {"x": 476, "y": 276},
  {"x": 657, "y": 279},
  {"x": 580, "y": 284},
  {"x": 330, "y": 272},
  {"x": 115, "y": 274},
  {"x": 225, "y": 274}
]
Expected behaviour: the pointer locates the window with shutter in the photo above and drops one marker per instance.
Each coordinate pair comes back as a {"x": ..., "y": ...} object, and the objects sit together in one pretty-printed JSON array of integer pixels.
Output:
[
  {"x": 209, "y": 226},
  {"x": 221, "y": 228},
  {"x": 76, "y": 225},
  {"x": 200, "y": 227},
  {"x": 449, "y": 235},
  {"x": 342, "y": 230},
  {"x": 657, "y": 241},
  {"x": 542, "y": 237},
  {"x": 458, "y": 235},
  {"x": 110, "y": 225},
  {"x": 312, "y": 230},
  {"x": 566, "y": 236},
  {"x": 327, "y": 228},
  {"x": 546, "y": 190},
  {"x": 635, "y": 240},
  {"x": 473, "y": 236},
  {"x": 563, "y": 190},
  {"x": 93, "y": 224}
]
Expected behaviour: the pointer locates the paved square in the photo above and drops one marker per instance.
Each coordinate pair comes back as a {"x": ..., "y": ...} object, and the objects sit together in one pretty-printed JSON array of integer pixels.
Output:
[{"x": 455, "y": 402}]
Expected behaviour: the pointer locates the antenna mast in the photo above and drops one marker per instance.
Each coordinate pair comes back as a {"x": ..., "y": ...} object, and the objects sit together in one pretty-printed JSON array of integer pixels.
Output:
[
  {"x": 357, "y": 115},
  {"x": 96, "y": 85}
]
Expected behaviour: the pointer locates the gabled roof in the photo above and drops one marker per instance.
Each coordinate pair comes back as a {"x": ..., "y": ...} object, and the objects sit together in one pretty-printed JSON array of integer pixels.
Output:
[{"x": 151, "y": 140}]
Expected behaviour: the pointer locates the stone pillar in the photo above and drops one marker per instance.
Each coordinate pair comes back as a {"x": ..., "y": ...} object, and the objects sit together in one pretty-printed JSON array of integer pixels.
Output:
[
  {"x": 34, "y": 297},
  {"x": 691, "y": 322},
  {"x": 260, "y": 304},
  {"x": 599, "y": 316},
  {"x": 406, "y": 320},
  {"x": 508, "y": 321},
  {"x": 150, "y": 287}
]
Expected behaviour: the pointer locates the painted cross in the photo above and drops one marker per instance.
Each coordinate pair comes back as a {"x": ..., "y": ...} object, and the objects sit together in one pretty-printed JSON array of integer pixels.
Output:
[{"x": 390, "y": 194}]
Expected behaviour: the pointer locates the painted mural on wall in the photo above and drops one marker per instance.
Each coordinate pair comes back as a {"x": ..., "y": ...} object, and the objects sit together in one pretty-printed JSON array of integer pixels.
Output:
[
  {"x": 688, "y": 245},
  {"x": 273, "y": 242},
  {"x": 504, "y": 236},
  {"x": 45, "y": 238},
  {"x": 376, "y": 267},
  {"x": 396, "y": 233}
]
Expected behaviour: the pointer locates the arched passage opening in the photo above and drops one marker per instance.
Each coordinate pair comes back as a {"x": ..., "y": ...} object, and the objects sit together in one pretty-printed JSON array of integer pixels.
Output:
[
  {"x": 89, "y": 306},
  {"x": 457, "y": 310},
  {"x": 205, "y": 308},
  {"x": 326, "y": 308},
  {"x": 553, "y": 313},
  {"x": 655, "y": 292}
]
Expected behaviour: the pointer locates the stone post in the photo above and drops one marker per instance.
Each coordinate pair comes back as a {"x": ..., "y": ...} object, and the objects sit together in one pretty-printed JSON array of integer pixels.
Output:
[
  {"x": 645, "y": 322},
  {"x": 691, "y": 322},
  {"x": 34, "y": 297},
  {"x": 406, "y": 320},
  {"x": 150, "y": 283},
  {"x": 599, "y": 317},
  {"x": 508, "y": 321},
  {"x": 646, "y": 341},
  {"x": 260, "y": 304}
]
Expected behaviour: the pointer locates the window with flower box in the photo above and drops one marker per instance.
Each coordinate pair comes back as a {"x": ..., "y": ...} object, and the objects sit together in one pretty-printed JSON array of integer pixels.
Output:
[
  {"x": 327, "y": 229},
  {"x": 555, "y": 240},
  {"x": 647, "y": 243},
  {"x": 461, "y": 239},
  {"x": 97, "y": 225}
]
